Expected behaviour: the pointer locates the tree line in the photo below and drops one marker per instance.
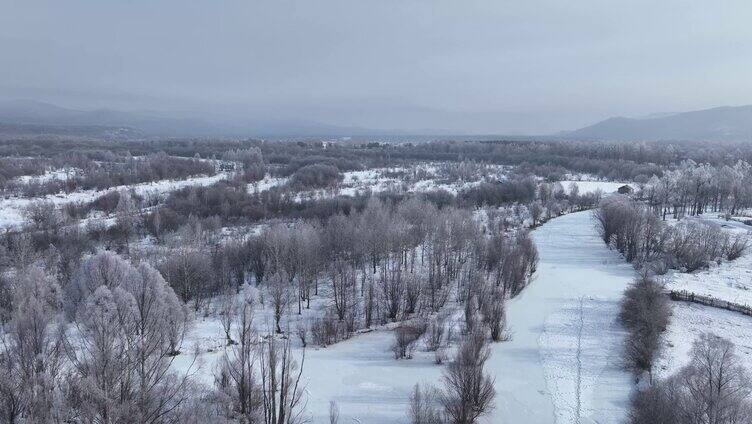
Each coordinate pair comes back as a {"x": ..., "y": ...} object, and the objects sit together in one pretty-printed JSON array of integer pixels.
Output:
[
  {"x": 635, "y": 230},
  {"x": 106, "y": 171},
  {"x": 695, "y": 188}
]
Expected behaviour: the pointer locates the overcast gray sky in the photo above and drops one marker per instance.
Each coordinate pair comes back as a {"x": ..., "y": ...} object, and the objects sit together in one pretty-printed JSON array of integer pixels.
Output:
[{"x": 528, "y": 66}]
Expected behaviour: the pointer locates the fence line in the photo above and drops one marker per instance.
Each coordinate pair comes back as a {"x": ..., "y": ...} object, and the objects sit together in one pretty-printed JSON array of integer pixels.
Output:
[{"x": 685, "y": 296}]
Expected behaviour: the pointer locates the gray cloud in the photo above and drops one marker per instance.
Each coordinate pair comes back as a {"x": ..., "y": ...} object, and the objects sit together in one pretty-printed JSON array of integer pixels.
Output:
[{"x": 468, "y": 66}]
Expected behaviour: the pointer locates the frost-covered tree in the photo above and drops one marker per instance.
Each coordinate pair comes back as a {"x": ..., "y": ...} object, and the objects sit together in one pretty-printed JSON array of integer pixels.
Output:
[
  {"x": 128, "y": 217},
  {"x": 126, "y": 333},
  {"x": 189, "y": 273},
  {"x": 31, "y": 351},
  {"x": 104, "y": 268}
]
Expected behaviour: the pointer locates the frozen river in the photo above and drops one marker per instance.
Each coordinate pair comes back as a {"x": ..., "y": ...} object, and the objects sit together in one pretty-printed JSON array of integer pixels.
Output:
[{"x": 563, "y": 363}]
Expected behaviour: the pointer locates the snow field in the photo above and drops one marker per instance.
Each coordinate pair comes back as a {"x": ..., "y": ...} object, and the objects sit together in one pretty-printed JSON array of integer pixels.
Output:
[
  {"x": 11, "y": 209},
  {"x": 689, "y": 320},
  {"x": 591, "y": 186}
]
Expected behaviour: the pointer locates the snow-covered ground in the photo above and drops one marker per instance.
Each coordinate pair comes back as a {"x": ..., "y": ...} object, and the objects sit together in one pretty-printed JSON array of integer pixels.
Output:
[
  {"x": 591, "y": 186},
  {"x": 11, "y": 209},
  {"x": 419, "y": 178},
  {"x": 730, "y": 280},
  {"x": 561, "y": 366},
  {"x": 563, "y": 363},
  {"x": 57, "y": 174},
  {"x": 266, "y": 183},
  {"x": 689, "y": 321}
]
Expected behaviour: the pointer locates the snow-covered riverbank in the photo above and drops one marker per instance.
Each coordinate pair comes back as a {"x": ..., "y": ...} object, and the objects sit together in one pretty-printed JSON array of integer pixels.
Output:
[{"x": 562, "y": 365}]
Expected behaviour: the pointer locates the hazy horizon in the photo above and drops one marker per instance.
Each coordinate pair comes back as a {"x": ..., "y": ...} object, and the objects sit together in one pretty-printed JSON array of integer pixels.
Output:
[{"x": 472, "y": 67}]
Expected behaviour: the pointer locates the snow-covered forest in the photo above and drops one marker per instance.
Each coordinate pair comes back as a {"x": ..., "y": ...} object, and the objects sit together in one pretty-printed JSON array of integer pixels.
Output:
[{"x": 286, "y": 282}]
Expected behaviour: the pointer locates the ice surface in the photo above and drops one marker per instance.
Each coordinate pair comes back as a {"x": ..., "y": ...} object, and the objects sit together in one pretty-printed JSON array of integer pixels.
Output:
[{"x": 565, "y": 337}]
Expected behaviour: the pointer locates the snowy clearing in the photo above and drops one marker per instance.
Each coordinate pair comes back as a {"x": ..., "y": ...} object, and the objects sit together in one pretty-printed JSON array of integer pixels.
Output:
[
  {"x": 49, "y": 175},
  {"x": 416, "y": 179},
  {"x": 689, "y": 320},
  {"x": 730, "y": 280},
  {"x": 266, "y": 183},
  {"x": 592, "y": 186},
  {"x": 537, "y": 371},
  {"x": 11, "y": 209}
]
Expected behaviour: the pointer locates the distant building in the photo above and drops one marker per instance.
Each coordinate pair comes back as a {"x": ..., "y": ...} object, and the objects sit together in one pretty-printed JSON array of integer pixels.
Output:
[{"x": 625, "y": 189}]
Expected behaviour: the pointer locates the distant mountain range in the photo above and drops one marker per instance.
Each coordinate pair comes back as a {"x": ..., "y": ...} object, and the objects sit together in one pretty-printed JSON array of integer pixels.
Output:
[
  {"x": 718, "y": 124},
  {"x": 24, "y": 116},
  {"x": 28, "y": 117}
]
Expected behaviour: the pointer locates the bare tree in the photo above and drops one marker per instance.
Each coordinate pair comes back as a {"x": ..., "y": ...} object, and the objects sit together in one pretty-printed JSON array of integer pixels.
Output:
[
  {"x": 43, "y": 216},
  {"x": 105, "y": 268},
  {"x": 660, "y": 403},
  {"x": 536, "y": 212},
  {"x": 124, "y": 345},
  {"x": 717, "y": 385},
  {"x": 333, "y": 412},
  {"x": 405, "y": 337},
  {"x": 279, "y": 289},
  {"x": 227, "y": 308},
  {"x": 238, "y": 378},
  {"x": 373, "y": 230},
  {"x": 102, "y": 357},
  {"x": 392, "y": 289},
  {"x": 435, "y": 332},
  {"x": 189, "y": 273},
  {"x": 344, "y": 283},
  {"x": 468, "y": 392},
  {"x": 736, "y": 246},
  {"x": 413, "y": 286},
  {"x": 425, "y": 407},
  {"x": 158, "y": 317},
  {"x": 128, "y": 218},
  {"x": 282, "y": 391},
  {"x": 471, "y": 313},
  {"x": 712, "y": 389},
  {"x": 258, "y": 260},
  {"x": 494, "y": 315}
]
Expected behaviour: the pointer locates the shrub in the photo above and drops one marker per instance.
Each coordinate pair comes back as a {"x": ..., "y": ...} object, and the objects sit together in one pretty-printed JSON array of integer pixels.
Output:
[
  {"x": 327, "y": 330},
  {"x": 315, "y": 176},
  {"x": 735, "y": 246},
  {"x": 405, "y": 337},
  {"x": 645, "y": 312}
]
